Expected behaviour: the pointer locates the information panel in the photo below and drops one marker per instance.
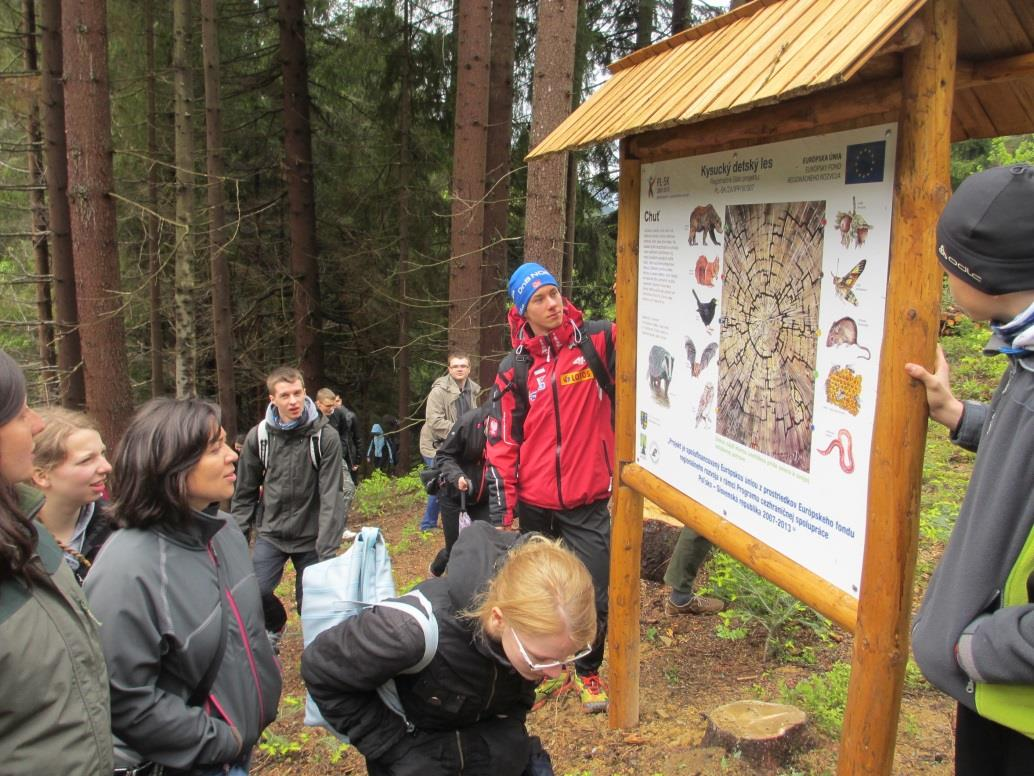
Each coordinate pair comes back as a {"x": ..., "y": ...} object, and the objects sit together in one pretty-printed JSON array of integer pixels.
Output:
[{"x": 762, "y": 288}]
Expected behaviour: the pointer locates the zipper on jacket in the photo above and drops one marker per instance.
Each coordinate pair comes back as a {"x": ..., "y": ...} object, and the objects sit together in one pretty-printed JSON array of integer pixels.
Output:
[
  {"x": 491, "y": 694},
  {"x": 559, "y": 438},
  {"x": 459, "y": 749},
  {"x": 607, "y": 465},
  {"x": 244, "y": 637},
  {"x": 1005, "y": 389}
]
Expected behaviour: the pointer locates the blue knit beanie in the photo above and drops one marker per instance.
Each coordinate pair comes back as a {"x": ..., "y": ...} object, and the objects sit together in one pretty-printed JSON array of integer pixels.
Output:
[{"x": 525, "y": 281}]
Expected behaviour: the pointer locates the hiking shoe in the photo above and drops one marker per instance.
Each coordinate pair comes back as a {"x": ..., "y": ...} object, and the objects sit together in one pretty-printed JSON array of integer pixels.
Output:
[
  {"x": 348, "y": 535},
  {"x": 698, "y": 604},
  {"x": 592, "y": 692},
  {"x": 551, "y": 688}
]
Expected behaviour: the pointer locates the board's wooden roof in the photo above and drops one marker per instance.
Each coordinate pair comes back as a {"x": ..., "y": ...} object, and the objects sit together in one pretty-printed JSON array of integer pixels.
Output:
[{"x": 770, "y": 51}]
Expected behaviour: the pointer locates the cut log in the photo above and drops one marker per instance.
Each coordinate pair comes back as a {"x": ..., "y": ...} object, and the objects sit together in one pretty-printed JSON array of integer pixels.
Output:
[{"x": 767, "y": 735}]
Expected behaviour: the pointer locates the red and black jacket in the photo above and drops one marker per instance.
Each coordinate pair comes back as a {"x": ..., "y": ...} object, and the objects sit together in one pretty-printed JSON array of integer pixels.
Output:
[{"x": 559, "y": 455}]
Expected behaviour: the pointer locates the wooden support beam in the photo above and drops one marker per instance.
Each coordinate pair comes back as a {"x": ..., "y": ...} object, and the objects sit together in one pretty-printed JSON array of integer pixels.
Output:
[
  {"x": 868, "y": 102},
  {"x": 971, "y": 74},
  {"x": 921, "y": 189},
  {"x": 626, "y": 536},
  {"x": 829, "y": 110},
  {"x": 798, "y": 581}
]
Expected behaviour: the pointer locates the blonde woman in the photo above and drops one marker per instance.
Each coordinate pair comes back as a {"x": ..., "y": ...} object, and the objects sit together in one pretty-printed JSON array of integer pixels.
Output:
[
  {"x": 511, "y": 612},
  {"x": 70, "y": 468}
]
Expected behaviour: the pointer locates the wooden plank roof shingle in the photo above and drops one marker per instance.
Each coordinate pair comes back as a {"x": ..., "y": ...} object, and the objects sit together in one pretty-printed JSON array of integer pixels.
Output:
[{"x": 771, "y": 51}]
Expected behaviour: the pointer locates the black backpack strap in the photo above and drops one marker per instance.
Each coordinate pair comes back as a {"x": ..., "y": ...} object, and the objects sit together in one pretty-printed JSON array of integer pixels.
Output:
[
  {"x": 520, "y": 362},
  {"x": 601, "y": 372}
]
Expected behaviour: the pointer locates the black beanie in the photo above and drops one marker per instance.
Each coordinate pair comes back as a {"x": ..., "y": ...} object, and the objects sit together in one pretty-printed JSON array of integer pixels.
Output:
[{"x": 985, "y": 235}]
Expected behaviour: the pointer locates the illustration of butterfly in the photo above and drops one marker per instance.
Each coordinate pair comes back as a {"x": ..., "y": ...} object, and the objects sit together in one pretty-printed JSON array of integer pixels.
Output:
[
  {"x": 705, "y": 359},
  {"x": 843, "y": 285}
]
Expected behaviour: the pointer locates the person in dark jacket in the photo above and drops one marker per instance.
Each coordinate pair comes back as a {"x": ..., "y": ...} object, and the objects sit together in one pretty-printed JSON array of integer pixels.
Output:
[
  {"x": 54, "y": 708},
  {"x": 71, "y": 470},
  {"x": 563, "y": 445},
  {"x": 463, "y": 479},
  {"x": 193, "y": 678},
  {"x": 510, "y": 612},
  {"x": 343, "y": 422},
  {"x": 973, "y": 635},
  {"x": 290, "y": 485}
]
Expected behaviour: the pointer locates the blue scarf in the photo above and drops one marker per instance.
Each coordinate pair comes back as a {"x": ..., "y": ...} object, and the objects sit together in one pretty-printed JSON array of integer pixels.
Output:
[{"x": 1017, "y": 334}]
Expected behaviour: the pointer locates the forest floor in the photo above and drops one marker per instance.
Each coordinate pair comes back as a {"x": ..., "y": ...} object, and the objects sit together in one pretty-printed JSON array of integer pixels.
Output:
[{"x": 686, "y": 670}]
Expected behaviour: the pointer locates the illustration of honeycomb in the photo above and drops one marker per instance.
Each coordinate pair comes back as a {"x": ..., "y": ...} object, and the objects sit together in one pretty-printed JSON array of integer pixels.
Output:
[{"x": 843, "y": 388}]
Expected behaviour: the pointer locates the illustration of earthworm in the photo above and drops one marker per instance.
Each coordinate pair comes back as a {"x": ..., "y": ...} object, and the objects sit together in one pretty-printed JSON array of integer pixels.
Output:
[{"x": 844, "y": 446}]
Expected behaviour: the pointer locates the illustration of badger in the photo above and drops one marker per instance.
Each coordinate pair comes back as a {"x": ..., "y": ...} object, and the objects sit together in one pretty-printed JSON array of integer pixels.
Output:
[{"x": 659, "y": 371}]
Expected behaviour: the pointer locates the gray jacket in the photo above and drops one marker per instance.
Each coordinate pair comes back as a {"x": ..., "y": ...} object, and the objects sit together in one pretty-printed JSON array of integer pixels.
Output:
[
  {"x": 301, "y": 508},
  {"x": 995, "y": 521},
  {"x": 157, "y": 594},
  {"x": 54, "y": 709},
  {"x": 444, "y": 407}
]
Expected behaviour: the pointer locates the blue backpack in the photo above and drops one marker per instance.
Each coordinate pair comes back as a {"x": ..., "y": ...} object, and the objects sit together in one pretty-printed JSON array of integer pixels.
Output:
[{"x": 338, "y": 588}]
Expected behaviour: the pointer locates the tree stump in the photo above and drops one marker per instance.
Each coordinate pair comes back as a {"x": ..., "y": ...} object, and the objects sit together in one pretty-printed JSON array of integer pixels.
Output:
[
  {"x": 767, "y": 735},
  {"x": 659, "y": 537}
]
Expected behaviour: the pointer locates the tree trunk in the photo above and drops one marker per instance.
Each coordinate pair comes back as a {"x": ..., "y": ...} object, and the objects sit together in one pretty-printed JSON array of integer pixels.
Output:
[
  {"x": 222, "y": 315},
  {"x": 644, "y": 30},
  {"x": 154, "y": 279},
  {"x": 468, "y": 176},
  {"x": 69, "y": 346},
  {"x": 405, "y": 162},
  {"x": 680, "y": 15},
  {"x": 38, "y": 205},
  {"x": 495, "y": 340},
  {"x": 300, "y": 192},
  {"x": 184, "y": 302},
  {"x": 90, "y": 179},
  {"x": 545, "y": 217}
]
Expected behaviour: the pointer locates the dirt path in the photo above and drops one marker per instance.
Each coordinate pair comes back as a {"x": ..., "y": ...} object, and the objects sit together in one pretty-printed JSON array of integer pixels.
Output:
[{"x": 686, "y": 670}]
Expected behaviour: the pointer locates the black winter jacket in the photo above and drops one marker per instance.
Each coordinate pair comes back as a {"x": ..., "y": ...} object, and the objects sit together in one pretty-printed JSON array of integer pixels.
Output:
[
  {"x": 462, "y": 454},
  {"x": 345, "y": 422},
  {"x": 467, "y": 708}
]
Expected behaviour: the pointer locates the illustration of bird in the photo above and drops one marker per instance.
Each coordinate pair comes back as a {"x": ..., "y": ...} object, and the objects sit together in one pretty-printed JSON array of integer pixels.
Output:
[{"x": 706, "y": 309}]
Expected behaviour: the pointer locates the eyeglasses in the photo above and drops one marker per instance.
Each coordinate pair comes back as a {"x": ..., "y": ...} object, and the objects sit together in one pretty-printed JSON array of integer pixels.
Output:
[
  {"x": 459, "y": 366},
  {"x": 551, "y": 663}
]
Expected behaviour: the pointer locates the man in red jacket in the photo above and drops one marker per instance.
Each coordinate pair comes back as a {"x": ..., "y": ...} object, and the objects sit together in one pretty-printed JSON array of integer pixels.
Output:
[{"x": 553, "y": 425}]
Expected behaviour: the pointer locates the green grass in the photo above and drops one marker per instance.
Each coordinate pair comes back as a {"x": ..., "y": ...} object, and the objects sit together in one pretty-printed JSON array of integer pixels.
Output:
[{"x": 379, "y": 493}]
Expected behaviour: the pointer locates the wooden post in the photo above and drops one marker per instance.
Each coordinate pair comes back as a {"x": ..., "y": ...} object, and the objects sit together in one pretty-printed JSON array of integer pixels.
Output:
[
  {"x": 627, "y": 526},
  {"x": 899, "y": 437}
]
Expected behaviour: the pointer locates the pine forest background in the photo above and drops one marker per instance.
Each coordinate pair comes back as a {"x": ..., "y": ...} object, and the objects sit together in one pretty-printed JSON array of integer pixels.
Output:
[{"x": 340, "y": 186}]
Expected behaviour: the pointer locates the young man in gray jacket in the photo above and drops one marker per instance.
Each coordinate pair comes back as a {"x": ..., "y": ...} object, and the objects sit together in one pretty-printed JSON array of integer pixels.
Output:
[
  {"x": 296, "y": 462},
  {"x": 974, "y": 635},
  {"x": 450, "y": 397}
]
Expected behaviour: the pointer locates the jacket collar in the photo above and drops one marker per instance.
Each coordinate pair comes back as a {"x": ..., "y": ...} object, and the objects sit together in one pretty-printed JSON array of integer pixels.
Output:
[
  {"x": 569, "y": 332},
  {"x": 198, "y": 532}
]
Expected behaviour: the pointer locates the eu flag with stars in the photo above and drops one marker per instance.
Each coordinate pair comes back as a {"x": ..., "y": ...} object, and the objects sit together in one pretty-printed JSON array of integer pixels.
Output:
[{"x": 865, "y": 162}]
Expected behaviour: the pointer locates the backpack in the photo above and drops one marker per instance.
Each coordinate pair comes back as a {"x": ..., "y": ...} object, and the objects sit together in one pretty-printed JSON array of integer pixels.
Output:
[
  {"x": 336, "y": 589},
  {"x": 522, "y": 363},
  {"x": 315, "y": 448}
]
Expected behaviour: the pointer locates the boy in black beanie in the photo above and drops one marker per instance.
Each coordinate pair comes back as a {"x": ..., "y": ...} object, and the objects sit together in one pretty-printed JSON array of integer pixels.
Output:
[{"x": 974, "y": 635}]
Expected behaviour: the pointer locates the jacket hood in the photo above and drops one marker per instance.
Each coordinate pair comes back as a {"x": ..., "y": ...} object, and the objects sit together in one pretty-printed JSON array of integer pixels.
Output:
[
  {"x": 476, "y": 557},
  {"x": 310, "y": 413},
  {"x": 376, "y": 429},
  {"x": 521, "y": 335}
]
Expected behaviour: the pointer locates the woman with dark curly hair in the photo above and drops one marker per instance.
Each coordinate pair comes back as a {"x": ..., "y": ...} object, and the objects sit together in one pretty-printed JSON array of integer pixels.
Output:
[
  {"x": 193, "y": 677},
  {"x": 54, "y": 704}
]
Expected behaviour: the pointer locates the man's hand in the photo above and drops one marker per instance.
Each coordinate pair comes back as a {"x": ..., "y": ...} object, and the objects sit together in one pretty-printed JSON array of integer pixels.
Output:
[
  {"x": 944, "y": 407},
  {"x": 462, "y": 484}
]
